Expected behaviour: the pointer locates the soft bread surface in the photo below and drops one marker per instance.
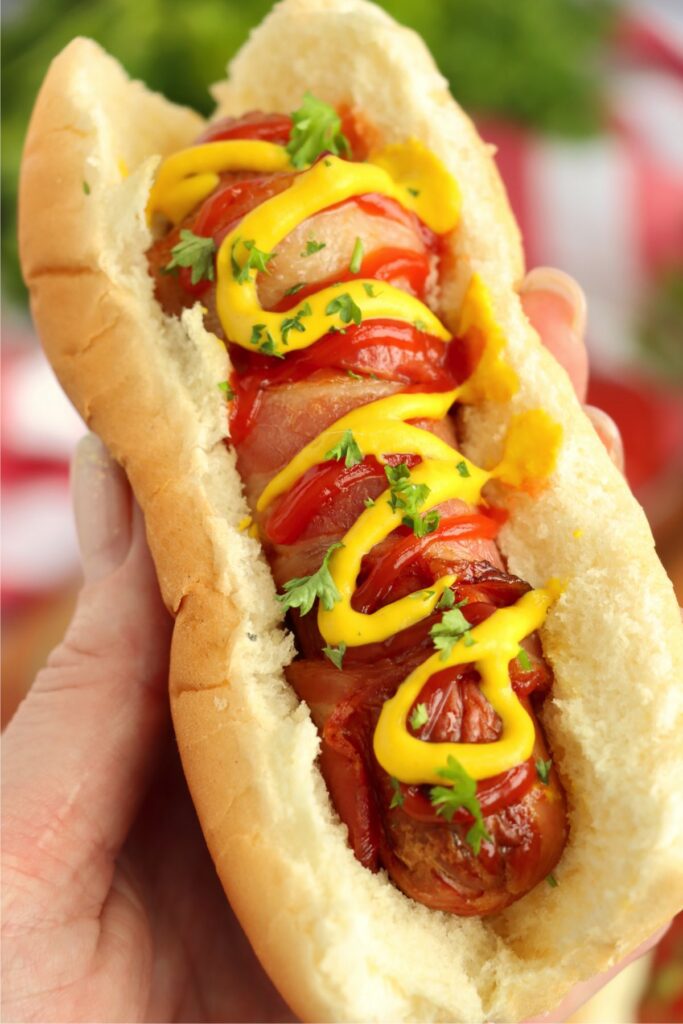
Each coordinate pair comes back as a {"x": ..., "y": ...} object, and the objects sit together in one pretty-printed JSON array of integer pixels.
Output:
[{"x": 341, "y": 943}]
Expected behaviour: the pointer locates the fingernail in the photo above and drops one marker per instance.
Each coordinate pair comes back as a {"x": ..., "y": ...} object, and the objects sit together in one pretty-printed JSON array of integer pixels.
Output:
[
  {"x": 609, "y": 434},
  {"x": 102, "y": 508},
  {"x": 556, "y": 282}
]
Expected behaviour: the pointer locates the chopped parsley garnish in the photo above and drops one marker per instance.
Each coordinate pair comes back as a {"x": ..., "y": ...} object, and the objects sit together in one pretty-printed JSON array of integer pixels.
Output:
[
  {"x": 543, "y": 770},
  {"x": 420, "y": 324},
  {"x": 346, "y": 449},
  {"x": 312, "y": 247},
  {"x": 196, "y": 252},
  {"x": 419, "y": 717},
  {"x": 356, "y": 257},
  {"x": 316, "y": 129},
  {"x": 423, "y": 524},
  {"x": 86, "y": 187},
  {"x": 369, "y": 502},
  {"x": 370, "y": 290},
  {"x": 256, "y": 259},
  {"x": 353, "y": 376},
  {"x": 413, "y": 191},
  {"x": 226, "y": 388},
  {"x": 257, "y": 332},
  {"x": 398, "y": 797},
  {"x": 346, "y": 308},
  {"x": 462, "y": 468},
  {"x": 453, "y": 627},
  {"x": 293, "y": 323},
  {"x": 403, "y": 493},
  {"x": 296, "y": 288},
  {"x": 463, "y": 793},
  {"x": 552, "y": 881},
  {"x": 335, "y": 654},
  {"x": 302, "y": 591},
  {"x": 447, "y": 599},
  {"x": 524, "y": 660},
  {"x": 264, "y": 339},
  {"x": 410, "y": 497}
]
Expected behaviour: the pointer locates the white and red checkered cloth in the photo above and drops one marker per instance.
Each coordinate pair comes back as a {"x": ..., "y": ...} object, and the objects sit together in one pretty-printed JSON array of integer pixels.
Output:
[{"x": 609, "y": 211}]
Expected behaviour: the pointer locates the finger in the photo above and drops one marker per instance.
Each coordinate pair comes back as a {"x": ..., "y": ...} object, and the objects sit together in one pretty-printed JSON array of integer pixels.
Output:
[
  {"x": 79, "y": 752},
  {"x": 609, "y": 434},
  {"x": 556, "y": 307},
  {"x": 102, "y": 509}
]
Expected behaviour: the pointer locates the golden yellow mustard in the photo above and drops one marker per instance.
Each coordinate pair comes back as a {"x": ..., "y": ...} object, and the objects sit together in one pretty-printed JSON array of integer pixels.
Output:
[{"x": 412, "y": 175}]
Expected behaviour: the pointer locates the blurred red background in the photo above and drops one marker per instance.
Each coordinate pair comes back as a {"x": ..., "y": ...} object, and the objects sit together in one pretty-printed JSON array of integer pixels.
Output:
[{"x": 607, "y": 208}]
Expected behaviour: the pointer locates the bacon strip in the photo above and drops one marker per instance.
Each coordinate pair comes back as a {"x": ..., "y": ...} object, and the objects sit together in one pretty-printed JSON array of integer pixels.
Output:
[{"x": 426, "y": 856}]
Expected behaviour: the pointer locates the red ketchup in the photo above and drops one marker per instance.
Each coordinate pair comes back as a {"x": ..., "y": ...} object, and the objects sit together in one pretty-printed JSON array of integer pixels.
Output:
[{"x": 346, "y": 703}]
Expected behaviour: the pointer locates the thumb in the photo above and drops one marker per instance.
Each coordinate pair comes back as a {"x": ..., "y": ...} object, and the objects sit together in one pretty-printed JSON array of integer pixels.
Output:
[{"x": 79, "y": 752}]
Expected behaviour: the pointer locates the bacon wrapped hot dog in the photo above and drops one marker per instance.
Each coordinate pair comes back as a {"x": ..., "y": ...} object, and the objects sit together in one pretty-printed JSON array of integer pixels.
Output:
[
  {"x": 463, "y": 846},
  {"x": 300, "y": 334}
]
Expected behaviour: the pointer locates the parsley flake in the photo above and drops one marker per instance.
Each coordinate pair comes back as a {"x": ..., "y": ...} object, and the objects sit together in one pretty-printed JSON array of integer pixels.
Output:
[
  {"x": 346, "y": 449},
  {"x": 256, "y": 259},
  {"x": 370, "y": 290},
  {"x": 312, "y": 247},
  {"x": 398, "y": 797},
  {"x": 296, "y": 288},
  {"x": 369, "y": 502},
  {"x": 413, "y": 191},
  {"x": 524, "y": 660},
  {"x": 447, "y": 599},
  {"x": 420, "y": 324},
  {"x": 264, "y": 339},
  {"x": 462, "y": 468},
  {"x": 316, "y": 129},
  {"x": 347, "y": 309},
  {"x": 419, "y": 717},
  {"x": 86, "y": 187},
  {"x": 543, "y": 769},
  {"x": 552, "y": 881},
  {"x": 293, "y": 323},
  {"x": 335, "y": 654},
  {"x": 196, "y": 252},
  {"x": 453, "y": 627},
  {"x": 421, "y": 525},
  {"x": 410, "y": 497},
  {"x": 302, "y": 591},
  {"x": 462, "y": 793},
  {"x": 225, "y": 387},
  {"x": 353, "y": 376},
  {"x": 356, "y": 257}
]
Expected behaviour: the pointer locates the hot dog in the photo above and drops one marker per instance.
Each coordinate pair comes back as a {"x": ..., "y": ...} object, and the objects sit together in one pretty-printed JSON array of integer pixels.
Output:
[
  {"x": 331, "y": 323},
  {"x": 370, "y": 238}
]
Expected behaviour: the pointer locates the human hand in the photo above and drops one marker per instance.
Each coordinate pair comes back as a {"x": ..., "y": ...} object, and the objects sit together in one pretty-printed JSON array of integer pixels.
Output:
[
  {"x": 112, "y": 910},
  {"x": 556, "y": 306},
  {"x": 111, "y": 907}
]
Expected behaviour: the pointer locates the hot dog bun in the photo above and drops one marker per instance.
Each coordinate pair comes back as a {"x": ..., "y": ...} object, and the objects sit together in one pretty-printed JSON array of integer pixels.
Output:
[{"x": 341, "y": 943}]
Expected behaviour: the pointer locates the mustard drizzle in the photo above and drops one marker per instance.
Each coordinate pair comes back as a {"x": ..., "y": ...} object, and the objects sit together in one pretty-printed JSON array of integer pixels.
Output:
[{"x": 413, "y": 176}]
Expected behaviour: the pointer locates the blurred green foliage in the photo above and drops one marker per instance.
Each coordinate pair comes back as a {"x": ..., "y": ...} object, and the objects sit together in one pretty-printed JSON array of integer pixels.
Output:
[
  {"x": 533, "y": 61},
  {"x": 660, "y": 328}
]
